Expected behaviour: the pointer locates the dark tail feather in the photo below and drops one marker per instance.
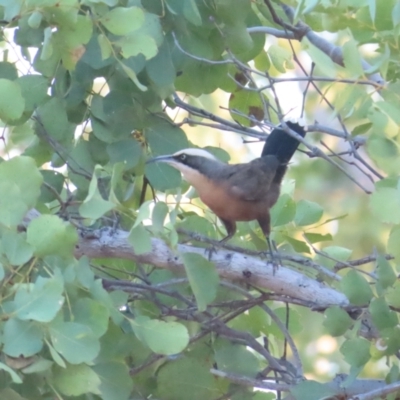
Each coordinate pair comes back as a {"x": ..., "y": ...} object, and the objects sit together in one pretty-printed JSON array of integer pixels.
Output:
[{"x": 282, "y": 145}]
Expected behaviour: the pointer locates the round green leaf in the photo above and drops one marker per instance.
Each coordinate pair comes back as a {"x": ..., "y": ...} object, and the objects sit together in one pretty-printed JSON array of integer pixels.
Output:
[
  {"x": 162, "y": 337},
  {"x": 312, "y": 390},
  {"x": 356, "y": 352},
  {"x": 122, "y": 20},
  {"x": 337, "y": 321},
  {"x": 307, "y": 213},
  {"x": 356, "y": 288},
  {"x": 93, "y": 314},
  {"x": 39, "y": 301},
  {"x": 133, "y": 45},
  {"x": 160, "y": 212},
  {"x": 236, "y": 359},
  {"x": 247, "y": 103},
  {"x": 20, "y": 183},
  {"x": 12, "y": 103},
  {"x": 22, "y": 338},
  {"x": 385, "y": 273},
  {"x": 75, "y": 342},
  {"x": 48, "y": 234},
  {"x": 34, "y": 90},
  {"x": 203, "y": 279},
  {"x": 381, "y": 315},
  {"x": 127, "y": 151},
  {"x": 76, "y": 380},
  {"x": 35, "y": 19},
  {"x": 116, "y": 382},
  {"x": 15, "y": 247},
  {"x": 283, "y": 211},
  {"x": 186, "y": 375},
  {"x": 385, "y": 204},
  {"x": 140, "y": 239}
]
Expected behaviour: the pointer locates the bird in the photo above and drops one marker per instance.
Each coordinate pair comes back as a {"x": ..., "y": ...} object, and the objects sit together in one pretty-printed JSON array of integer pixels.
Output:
[{"x": 239, "y": 192}]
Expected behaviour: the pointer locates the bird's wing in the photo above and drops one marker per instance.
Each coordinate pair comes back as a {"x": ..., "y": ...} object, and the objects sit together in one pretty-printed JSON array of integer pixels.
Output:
[{"x": 252, "y": 181}]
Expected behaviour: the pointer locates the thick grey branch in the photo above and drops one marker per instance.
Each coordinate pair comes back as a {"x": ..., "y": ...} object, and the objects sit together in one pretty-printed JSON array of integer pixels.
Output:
[{"x": 231, "y": 266}]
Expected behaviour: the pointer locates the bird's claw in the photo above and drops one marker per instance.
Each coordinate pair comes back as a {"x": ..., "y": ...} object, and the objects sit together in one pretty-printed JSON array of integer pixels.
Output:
[{"x": 210, "y": 251}]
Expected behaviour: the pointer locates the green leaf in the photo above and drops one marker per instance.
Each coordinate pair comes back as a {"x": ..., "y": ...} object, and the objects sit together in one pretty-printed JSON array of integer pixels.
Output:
[
  {"x": 15, "y": 247},
  {"x": 385, "y": 204},
  {"x": 281, "y": 58},
  {"x": 76, "y": 380},
  {"x": 188, "y": 374},
  {"x": 122, "y": 20},
  {"x": 54, "y": 119},
  {"x": 160, "y": 68},
  {"x": 356, "y": 288},
  {"x": 335, "y": 254},
  {"x": 35, "y": 19},
  {"x": 132, "y": 76},
  {"x": 191, "y": 12},
  {"x": 311, "y": 390},
  {"x": 39, "y": 301},
  {"x": 324, "y": 63},
  {"x": 385, "y": 273},
  {"x": 393, "y": 242},
  {"x": 262, "y": 61},
  {"x": 318, "y": 237},
  {"x": 14, "y": 376},
  {"x": 135, "y": 44},
  {"x": 56, "y": 181},
  {"x": 127, "y": 151},
  {"x": 105, "y": 46},
  {"x": 75, "y": 342},
  {"x": 116, "y": 382},
  {"x": 94, "y": 206},
  {"x": 22, "y": 338},
  {"x": 356, "y": 351},
  {"x": 140, "y": 240},
  {"x": 352, "y": 59},
  {"x": 165, "y": 338},
  {"x": 298, "y": 245},
  {"x": 236, "y": 359},
  {"x": 283, "y": 211},
  {"x": 160, "y": 212},
  {"x": 337, "y": 321},
  {"x": 12, "y": 103},
  {"x": 203, "y": 278},
  {"x": 8, "y": 71},
  {"x": 40, "y": 365},
  {"x": 92, "y": 314},
  {"x": 393, "y": 295},
  {"x": 34, "y": 90},
  {"x": 307, "y": 213},
  {"x": 248, "y": 104},
  {"x": 47, "y": 49},
  {"x": 381, "y": 315},
  {"x": 165, "y": 138},
  {"x": 48, "y": 235},
  {"x": 20, "y": 183},
  {"x": 163, "y": 177}
]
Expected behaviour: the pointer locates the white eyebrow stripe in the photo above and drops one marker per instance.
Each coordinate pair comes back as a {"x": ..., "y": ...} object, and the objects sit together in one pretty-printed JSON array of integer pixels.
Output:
[{"x": 196, "y": 152}]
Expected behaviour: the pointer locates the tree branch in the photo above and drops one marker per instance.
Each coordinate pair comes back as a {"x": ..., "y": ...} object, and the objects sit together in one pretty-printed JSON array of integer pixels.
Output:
[{"x": 231, "y": 266}]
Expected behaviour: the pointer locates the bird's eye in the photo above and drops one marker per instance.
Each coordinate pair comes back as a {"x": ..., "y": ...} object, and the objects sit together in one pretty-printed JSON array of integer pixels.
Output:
[{"x": 182, "y": 157}]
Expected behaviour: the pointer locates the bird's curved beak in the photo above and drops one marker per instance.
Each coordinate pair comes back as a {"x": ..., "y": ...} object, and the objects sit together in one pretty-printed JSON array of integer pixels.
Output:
[{"x": 166, "y": 159}]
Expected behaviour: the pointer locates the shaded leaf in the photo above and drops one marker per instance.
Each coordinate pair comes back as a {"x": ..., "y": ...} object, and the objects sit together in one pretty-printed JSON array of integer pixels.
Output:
[{"x": 203, "y": 278}]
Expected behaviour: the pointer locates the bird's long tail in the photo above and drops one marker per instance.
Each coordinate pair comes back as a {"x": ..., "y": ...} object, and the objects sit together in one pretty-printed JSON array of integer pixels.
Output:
[{"x": 281, "y": 145}]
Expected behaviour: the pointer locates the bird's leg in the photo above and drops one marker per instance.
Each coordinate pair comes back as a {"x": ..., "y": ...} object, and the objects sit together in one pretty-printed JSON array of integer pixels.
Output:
[
  {"x": 265, "y": 224},
  {"x": 275, "y": 258},
  {"x": 230, "y": 227}
]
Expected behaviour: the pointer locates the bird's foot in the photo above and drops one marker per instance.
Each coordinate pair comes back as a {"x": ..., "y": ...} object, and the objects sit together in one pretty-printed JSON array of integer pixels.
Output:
[
  {"x": 274, "y": 256},
  {"x": 209, "y": 251}
]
